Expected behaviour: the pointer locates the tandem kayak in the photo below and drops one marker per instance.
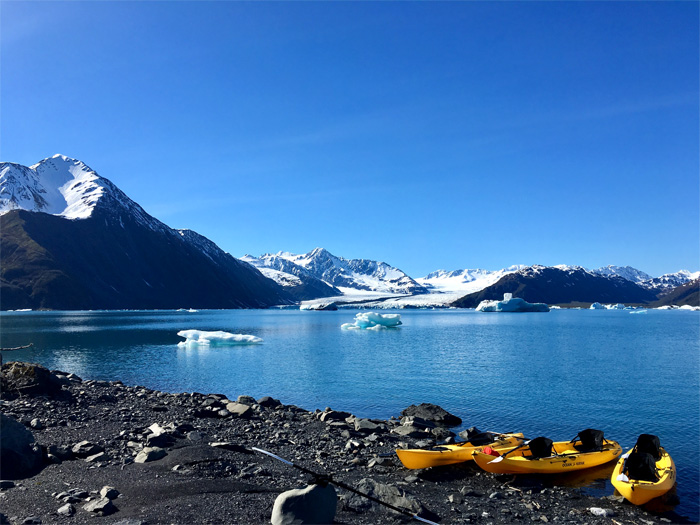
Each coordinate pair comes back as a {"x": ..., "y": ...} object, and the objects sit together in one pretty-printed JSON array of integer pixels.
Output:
[
  {"x": 456, "y": 453},
  {"x": 644, "y": 474},
  {"x": 560, "y": 457}
]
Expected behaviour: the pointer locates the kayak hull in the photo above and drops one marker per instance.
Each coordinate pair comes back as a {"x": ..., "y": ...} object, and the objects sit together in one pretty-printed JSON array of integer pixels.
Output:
[
  {"x": 567, "y": 459},
  {"x": 452, "y": 454},
  {"x": 640, "y": 492}
]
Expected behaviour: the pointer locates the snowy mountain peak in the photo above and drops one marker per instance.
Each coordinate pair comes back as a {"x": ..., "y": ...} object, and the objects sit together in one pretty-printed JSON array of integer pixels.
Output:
[
  {"x": 348, "y": 274},
  {"x": 626, "y": 272},
  {"x": 57, "y": 185}
]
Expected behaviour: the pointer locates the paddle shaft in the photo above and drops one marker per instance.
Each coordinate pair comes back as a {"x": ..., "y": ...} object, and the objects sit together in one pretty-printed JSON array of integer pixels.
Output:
[{"x": 326, "y": 478}]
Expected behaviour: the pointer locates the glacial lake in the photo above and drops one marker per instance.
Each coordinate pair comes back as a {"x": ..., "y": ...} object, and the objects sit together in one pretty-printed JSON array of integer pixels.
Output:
[{"x": 550, "y": 374}]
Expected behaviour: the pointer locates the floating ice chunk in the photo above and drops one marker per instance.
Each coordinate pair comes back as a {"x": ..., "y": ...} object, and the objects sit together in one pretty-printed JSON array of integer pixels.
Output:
[
  {"x": 639, "y": 311},
  {"x": 597, "y": 306},
  {"x": 373, "y": 321},
  {"x": 201, "y": 338},
  {"x": 511, "y": 304}
]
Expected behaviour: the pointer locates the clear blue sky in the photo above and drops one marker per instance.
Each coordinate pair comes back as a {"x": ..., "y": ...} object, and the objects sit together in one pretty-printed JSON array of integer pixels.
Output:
[{"x": 425, "y": 134}]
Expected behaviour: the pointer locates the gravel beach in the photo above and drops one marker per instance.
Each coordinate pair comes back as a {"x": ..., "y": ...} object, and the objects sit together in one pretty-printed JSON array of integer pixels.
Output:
[{"x": 105, "y": 452}]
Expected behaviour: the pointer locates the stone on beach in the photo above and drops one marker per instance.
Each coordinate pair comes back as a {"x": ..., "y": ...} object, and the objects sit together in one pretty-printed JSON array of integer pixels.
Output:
[
  {"x": 390, "y": 494},
  {"x": 150, "y": 454},
  {"x": 313, "y": 504},
  {"x": 86, "y": 449},
  {"x": 240, "y": 410},
  {"x": 101, "y": 507},
  {"x": 433, "y": 413},
  {"x": 19, "y": 456}
]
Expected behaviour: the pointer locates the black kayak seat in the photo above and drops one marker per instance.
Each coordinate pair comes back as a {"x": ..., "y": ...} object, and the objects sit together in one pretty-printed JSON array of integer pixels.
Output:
[
  {"x": 540, "y": 447},
  {"x": 641, "y": 466},
  {"x": 649, "y": 443},
  {"x": 591, "y": 440}
]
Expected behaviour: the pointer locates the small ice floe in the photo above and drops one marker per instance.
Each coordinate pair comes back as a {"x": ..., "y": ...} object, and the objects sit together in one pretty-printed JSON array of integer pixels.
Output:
[
  {"x": 639, "y": 311},
  {"x": 373, "y": 321},
  {"x": 201, "y": 338},
  {"x": 511, "y": 304}
]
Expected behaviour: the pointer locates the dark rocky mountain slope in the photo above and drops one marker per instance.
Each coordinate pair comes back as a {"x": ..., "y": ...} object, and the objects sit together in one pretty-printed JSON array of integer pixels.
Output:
[{"x": 562, "y": 286}]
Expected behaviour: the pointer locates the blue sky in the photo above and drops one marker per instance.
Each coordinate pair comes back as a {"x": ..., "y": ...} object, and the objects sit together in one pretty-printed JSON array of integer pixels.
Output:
[{"x": 425, "y": 134}]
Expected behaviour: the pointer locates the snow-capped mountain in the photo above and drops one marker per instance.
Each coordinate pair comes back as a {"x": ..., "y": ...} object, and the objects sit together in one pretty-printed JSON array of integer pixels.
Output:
[
  {"x": 296, "y": 279},
  {"x": 73, "y": 240},
  {"x": 561, "y": 285},
  {"x": 67, "y": 188},
  {"x": 626, "y": 272},
  {"x": 669, "y": 281},
  {"x": 347, "y": 275},
  {"x": 464, "y": 281}
]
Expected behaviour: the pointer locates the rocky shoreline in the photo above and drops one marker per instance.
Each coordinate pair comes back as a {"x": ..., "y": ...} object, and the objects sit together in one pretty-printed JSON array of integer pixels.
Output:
[{"x": 105, "y": 452}]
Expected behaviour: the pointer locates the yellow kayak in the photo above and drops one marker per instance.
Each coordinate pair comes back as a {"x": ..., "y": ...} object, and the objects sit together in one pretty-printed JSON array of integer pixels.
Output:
[
  {"x": 457, "y": 453},
  {"x": 563, "y": 456},
  {"x": 640, "y": 491}
]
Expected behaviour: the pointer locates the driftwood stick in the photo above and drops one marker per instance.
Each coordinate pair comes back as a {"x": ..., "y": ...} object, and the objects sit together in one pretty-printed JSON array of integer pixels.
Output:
[{"x": 15, "y": 348}]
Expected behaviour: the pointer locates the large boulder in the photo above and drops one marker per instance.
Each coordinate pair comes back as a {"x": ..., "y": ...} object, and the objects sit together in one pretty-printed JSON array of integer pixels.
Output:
[
  {"x": 434, "y": 413},
  {"x": 313, "y": 504},
  {"x": 29, "y": 379},
  {"x": 20, "y": 457},
  {"x": 390, "y": 494}
]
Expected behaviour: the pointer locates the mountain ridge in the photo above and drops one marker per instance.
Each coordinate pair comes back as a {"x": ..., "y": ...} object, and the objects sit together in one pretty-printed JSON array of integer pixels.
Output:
[{"x": 35, "y": 267}]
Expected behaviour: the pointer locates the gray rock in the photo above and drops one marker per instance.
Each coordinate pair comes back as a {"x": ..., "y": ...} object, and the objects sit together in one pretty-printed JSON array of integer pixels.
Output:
[
  {"x": 366, "y": 426},
  {"x": 246, "y": 400},
  {"x": 109, "y": 492},
  {"x": 390, "y": 494},
  {"x": 150, "y": 454},
  {"x": 432, "y": 413},
  {"x": 19, "y": 456},
  {"x": 86, "y": 448},
  {"x": 29, "y": 379},
  {"x": 66, "y": 510},
  {"x": 441, "y": 433},
  {"x": 269, "y": 402},
  {"x": 417, "y": 422},
  {"x": 313, "y": 504},
  {"x": 160, "y": 440},
  {"x": 195, "y": 436},
  {"x": 31, "y": 520},
  {"x": 36, "y": 424},
  {"x": 60, "y": 452},
  {"x": 409, "y": 431},
  {"x": 240, "y": 410},
  {"x": 606, "y": 513},
  {"x": 334, "y": 415},
  {"x": 100, "y": 456},
  {"x": 101, "y": 507}
]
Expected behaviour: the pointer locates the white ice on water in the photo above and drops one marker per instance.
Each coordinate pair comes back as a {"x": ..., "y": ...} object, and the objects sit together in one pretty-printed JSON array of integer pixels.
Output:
[
  {"x": 219, "y": 338},
  {"x": 373, "y": 321}
]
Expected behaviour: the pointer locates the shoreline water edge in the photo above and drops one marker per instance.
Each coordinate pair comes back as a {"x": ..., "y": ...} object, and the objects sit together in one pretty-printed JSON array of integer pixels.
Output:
[{"x": 135, "y": 456}]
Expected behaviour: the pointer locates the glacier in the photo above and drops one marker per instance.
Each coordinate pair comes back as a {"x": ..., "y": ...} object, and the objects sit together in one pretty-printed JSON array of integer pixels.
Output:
[
  {"x": 373, "y": 321},
  {"x": 511, "y": 304},
  {"x": 218, "y": 338}
]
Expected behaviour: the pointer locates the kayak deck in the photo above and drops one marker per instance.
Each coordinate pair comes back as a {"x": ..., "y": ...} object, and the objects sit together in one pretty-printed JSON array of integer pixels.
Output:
[
  {"x": 565, "y": 458},
  {"x": 455, "y": 453}
]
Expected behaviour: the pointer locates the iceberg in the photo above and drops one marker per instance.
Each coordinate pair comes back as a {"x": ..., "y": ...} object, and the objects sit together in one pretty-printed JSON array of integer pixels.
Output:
[
  {"x": 597, "y": 306},
  {"x": 373, "y": 321},
  {"x": 511, "y": 304},
  {"x": 201, "y": 338}
]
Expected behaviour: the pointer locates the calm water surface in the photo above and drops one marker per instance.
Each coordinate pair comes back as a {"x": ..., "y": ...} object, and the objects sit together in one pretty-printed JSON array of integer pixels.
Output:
[{"x": 543, "y": 374}]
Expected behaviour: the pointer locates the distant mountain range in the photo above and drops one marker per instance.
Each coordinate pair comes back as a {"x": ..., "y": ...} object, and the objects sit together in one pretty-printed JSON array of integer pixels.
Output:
[{"x": 70, "y": 239}]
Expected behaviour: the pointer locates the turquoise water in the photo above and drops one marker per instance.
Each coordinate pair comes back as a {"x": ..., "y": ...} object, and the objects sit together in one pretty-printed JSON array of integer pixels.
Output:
[{"x": 543, "y": 374}]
